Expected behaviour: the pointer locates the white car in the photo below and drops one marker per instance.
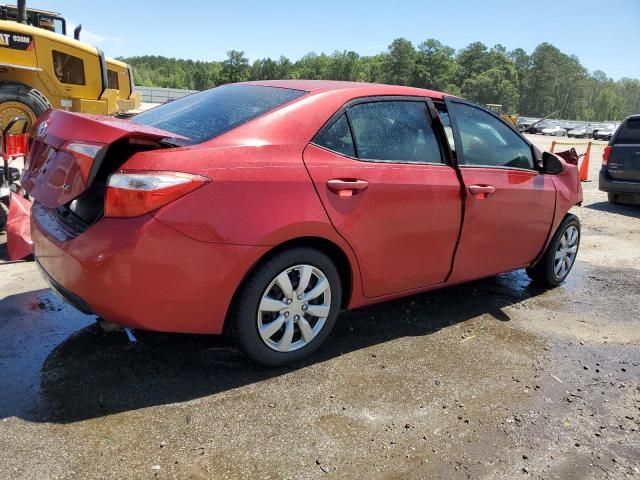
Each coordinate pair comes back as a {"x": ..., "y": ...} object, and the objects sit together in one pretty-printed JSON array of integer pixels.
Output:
[
  {"x": 554, "y": 130},
  {"x": 604, "y": 133}
]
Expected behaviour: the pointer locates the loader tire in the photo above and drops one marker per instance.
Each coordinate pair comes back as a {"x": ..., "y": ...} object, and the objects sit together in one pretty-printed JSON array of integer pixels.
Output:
[{"x": 18, "y": 99}]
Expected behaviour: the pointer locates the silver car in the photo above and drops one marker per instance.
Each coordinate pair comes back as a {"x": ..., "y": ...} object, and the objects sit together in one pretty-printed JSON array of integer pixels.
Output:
[{"x": 555, "y": 130}]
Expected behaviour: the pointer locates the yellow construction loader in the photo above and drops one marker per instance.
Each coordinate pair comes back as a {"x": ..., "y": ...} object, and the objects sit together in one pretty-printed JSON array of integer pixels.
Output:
[
  {"x": 497, "y": 108},
  {"x": 41, "y": 67}
]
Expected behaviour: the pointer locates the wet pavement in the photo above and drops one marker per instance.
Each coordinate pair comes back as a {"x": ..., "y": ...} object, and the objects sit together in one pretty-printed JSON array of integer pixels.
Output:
[{"x": 492, "y": 379}]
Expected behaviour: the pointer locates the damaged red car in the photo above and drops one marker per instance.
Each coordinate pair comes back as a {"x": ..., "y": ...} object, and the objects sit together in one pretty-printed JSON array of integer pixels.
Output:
[{"x": 264, "y": 208}]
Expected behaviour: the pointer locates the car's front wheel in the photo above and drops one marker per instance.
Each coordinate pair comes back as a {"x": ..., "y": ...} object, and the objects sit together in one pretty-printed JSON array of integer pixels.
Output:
[
  {"x": 558, "y": 259},
  {"x": 287, "y": 307}
]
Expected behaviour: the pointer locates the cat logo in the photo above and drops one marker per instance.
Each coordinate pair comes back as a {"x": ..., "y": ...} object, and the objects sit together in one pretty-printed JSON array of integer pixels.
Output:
[{"x": 15, "y": 41}]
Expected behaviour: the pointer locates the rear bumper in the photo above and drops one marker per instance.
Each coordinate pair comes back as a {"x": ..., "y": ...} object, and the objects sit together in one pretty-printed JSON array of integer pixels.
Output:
[
  {"x": 607, "y": 184},
  {"x": 141, "y": 273},
  {"x": 71, "y": 298}
]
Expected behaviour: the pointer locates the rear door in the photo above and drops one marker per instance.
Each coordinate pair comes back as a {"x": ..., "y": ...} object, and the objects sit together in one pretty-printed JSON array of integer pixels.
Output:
[
  {"x": 509, "y": 204},
  {"x": 382, "y": 176},
  {"x": 624, "y": 160}
]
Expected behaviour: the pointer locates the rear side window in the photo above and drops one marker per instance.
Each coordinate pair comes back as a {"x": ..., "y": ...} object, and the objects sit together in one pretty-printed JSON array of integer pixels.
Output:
[
  {"x": 486, "y": 141},
  {"x": 338, "y": 138},
  {"x": 68, "y": 69},
  {"x": 205, "y": 115},
  {"x": 394, "y": 131},
  {"x": 629, "y": 132}
]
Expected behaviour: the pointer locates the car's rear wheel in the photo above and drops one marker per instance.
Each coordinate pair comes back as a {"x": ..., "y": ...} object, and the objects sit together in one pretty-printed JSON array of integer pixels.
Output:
[
  {"x": 287, "y": 307},
  {"x": 613, "y": 198},
  {"x": 559, "y": 257}
]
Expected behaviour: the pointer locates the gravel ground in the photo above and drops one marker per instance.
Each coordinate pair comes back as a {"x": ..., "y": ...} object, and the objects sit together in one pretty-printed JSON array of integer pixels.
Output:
[{"x": 492, "y": 379}]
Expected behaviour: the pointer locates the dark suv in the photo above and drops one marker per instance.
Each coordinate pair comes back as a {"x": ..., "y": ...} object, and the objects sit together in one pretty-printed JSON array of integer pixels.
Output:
[{"x": 620, "y": 173}]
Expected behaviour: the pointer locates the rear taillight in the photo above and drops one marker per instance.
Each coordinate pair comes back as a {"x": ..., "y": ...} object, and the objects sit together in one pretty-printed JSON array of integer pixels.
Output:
[
  {"x": 130, "y": 194},
  {"x": 85, "y": 154},
  {"x": 606, "y": 154}
]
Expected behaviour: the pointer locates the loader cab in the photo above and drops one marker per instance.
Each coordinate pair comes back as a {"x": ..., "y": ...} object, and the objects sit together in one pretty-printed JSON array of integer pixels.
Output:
[{"x": 44, "y": 19}]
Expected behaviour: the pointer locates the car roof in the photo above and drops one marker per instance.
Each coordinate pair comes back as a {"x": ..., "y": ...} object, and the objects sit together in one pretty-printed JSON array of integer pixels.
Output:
[{"x": 356, "y": 88}]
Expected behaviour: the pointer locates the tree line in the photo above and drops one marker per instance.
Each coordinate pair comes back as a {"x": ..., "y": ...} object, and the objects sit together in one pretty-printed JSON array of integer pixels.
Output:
[{"x": 536, "y": 84}]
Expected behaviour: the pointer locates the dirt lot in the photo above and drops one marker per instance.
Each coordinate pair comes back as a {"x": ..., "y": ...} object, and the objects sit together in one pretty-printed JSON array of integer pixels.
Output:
[{"x": 493, "y": 379}]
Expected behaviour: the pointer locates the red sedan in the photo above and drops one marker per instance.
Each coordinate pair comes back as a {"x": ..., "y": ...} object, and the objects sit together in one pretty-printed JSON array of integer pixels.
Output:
[{"x": 265, "y": 208}]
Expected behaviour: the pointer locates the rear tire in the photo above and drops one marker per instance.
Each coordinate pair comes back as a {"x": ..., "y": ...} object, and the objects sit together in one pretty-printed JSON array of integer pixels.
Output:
[
  {"x": 559, "y": 257},
  {"x": 300, "y": 315},
  {"x": 613, "y": 198},
  {"x": 18, "y": 99}
]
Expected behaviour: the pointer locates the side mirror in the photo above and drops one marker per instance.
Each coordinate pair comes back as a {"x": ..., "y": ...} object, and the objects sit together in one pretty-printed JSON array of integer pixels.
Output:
[{"x": 551, "y": 164}]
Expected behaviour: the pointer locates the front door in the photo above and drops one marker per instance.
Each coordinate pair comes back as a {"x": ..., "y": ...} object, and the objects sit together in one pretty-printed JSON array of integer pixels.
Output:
[
  {"x": 382, "y": 177},
  {"x": 509, "y": 204}
]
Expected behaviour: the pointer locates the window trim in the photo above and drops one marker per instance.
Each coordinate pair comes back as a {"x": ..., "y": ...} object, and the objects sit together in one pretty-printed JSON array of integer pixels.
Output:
[
  {"x": 445, "y": 155},
  {"x": 448, "y": 99}
]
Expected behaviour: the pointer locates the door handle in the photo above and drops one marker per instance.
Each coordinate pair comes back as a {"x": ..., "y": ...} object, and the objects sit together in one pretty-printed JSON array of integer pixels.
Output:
[
  {"x": 481, "y": 191},
  {"x": 347, "y": 188}
]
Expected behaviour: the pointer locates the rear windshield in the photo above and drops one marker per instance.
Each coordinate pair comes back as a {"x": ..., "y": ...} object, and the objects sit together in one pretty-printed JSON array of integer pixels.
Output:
[
  {"x": 630, "y": 132},
  {"x": 207, "y": 114}
]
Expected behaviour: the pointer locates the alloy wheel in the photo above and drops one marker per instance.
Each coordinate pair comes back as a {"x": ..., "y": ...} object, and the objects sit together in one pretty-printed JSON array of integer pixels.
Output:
[
  {"x": 10, "y": 110},
  {"x": 294, "y": 308},
  {"x": 566, "y": 252}
]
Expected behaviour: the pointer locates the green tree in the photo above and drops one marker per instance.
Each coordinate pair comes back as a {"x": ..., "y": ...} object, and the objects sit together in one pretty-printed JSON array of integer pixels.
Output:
[
  {"x": 436, "y": 67},
  {"x": 400, "y": 62},
  {"x": 490, "y": 76},
  {"x": 236, "y": 67},
  {"x": 535, "y": 84},
  {"x": 344, "y": 66}
]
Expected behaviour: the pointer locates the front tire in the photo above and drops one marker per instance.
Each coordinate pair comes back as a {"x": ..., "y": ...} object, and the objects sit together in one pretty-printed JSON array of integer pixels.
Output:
[
  {"x": 287, "y": 307},
  {"x": 560, "y": 256},
  {"x": 17, "y": 99}
]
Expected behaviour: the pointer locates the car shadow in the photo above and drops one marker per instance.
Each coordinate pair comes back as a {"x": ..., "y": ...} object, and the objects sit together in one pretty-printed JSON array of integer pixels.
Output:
[
  {"x": 620, "y": 209},
  {"x": 89, "y": 373}
]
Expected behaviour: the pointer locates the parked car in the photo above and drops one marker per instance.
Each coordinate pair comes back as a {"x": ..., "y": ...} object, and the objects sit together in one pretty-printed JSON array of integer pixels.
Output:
[
  {"x": 538, "y": 127},
  {"x": 264, "y": 208},
  {"x": 555, "y": 130},
  {"x": 524, "y": 125},
  {"x": 620, "y": 172},
  {"x": 579, "y": 132},
  {"x": 604, "y": 133}
]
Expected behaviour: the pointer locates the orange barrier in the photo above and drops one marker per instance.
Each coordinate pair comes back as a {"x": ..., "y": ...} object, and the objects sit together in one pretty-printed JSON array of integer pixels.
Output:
[{"x": 584, "y": 165}]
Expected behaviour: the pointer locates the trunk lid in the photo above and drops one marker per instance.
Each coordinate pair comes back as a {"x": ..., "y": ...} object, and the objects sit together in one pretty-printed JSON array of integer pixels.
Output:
[{"x": 56, "y": 174}]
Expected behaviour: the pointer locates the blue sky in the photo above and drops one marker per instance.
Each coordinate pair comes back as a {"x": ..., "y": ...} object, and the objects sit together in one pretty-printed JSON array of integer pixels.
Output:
[{"x": 605, "y": 35}]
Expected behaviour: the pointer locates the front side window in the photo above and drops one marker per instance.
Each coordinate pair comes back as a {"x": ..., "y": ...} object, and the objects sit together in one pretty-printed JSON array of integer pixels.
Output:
[
  {"x": 394, "y": 131},
  {"x": 486, "y": 141},
  {"x": 68, "y": 69}
]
